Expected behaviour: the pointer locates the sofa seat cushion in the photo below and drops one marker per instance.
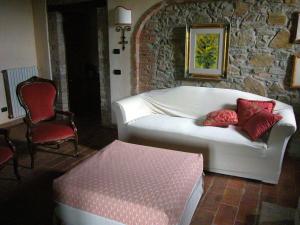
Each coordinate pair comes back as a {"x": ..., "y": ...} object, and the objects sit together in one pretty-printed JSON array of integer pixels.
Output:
[{"x": 184, "y": 129}]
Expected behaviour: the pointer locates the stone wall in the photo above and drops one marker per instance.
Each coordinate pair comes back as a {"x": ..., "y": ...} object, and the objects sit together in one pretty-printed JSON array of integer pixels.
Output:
[
  {"x": 58, "y": 58},
  {"x": 260, "y": 51},
  {"x": 102, "y": 25}
]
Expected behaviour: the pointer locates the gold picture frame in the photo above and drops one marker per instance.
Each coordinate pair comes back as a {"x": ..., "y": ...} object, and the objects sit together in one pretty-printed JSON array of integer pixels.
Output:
[
  {"x": 296, "y": 72},
  {"x": 206, "y": 51}
]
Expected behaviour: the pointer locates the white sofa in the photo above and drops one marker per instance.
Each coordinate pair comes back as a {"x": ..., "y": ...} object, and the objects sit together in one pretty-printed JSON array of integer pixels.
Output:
[{"x": 167, "y": 118}]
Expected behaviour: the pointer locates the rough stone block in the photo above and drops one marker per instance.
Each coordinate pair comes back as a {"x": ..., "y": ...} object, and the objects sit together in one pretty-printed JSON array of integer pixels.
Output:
[
  {"x": 291, "y": 1},
  {"x": 241, "y": 8},
  {"x": 262, "y": 60},
  {"x": 251, "y": 17},
  {"x": 223, "y": 84},
  {"x": 277, "y": 88},
  {"x": 276, "y": 71},
  {"x": 284, "y": 98},
  {"x": 282, "y": 55},
  {"x": 281, "y": 40},
  {"x": 243, "y": 39},
  {"x": 264, "y": 75},
  {"x": 265, "y": 30},
  {"x": 277, "y": 19},
  {"x": 227, "y": 9},
  {"x": 254, "y": 86},
  {"x": 233, "y": 70},
  {"x": 188, "y": 83},
  {"x": 245, "y": 71}
]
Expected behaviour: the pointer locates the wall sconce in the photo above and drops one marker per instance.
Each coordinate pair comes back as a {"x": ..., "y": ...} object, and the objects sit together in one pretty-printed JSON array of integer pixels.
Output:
[{"x": 122, "y": 22}]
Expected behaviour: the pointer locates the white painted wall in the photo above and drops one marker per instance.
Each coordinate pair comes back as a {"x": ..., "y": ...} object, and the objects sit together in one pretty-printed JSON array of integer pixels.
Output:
[
  {"x": 40, "y": 22},
  {"x": 121, "y": 84},
  {"x": 17, "y": 41},
  {"x": 24, "y": 42}
]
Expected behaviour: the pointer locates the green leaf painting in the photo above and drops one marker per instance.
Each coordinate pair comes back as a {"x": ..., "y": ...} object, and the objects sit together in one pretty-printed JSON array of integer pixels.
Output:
[{"x": 207, "y": 51}]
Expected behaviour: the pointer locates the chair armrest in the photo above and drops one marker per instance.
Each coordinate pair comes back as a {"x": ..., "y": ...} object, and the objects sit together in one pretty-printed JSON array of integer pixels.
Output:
[
  {"x": 130, "y": 108},
  {"x": 284, "y": 128},
  {"x": 65, "y": 113},
  {"x": 70, "y": 116}
]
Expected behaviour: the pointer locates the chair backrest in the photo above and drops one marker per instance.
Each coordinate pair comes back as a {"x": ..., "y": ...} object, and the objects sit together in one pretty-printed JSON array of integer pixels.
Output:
[{"x": 37, "y": 96}]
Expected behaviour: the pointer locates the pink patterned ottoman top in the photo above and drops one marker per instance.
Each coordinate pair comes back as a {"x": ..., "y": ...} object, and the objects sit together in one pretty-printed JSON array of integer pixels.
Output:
[{"x": 132, "y": 184}]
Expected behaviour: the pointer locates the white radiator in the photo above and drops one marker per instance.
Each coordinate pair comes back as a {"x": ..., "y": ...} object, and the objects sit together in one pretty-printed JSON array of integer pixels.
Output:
[{"x": 12, "y": 77}]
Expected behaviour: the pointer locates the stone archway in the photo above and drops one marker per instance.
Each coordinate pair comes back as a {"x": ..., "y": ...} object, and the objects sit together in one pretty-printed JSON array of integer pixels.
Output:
[{"x": 139, "y": 49}]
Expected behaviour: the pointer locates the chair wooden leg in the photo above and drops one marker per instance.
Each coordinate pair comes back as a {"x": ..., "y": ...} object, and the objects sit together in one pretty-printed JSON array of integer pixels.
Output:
[
  {"x": 76, "y": 154},
  {"x": 16, "y": 167},
  {"x": 31, "y": 152}
]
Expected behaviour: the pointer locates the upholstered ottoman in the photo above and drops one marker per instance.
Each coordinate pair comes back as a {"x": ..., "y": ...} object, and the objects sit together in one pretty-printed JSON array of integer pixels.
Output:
[{"x": 131, "y": 184}]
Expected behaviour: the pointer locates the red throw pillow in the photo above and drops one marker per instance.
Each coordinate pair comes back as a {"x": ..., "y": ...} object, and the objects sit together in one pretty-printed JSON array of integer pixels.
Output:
[
  {"x": 221, "y": 118},
  {"x": 260, "y": 123},
  {"x": 247, "y": 108}
]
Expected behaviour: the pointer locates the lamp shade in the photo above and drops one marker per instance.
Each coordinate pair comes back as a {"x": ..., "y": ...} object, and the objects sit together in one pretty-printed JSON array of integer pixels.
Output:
[{"x": 122, "y": 15}]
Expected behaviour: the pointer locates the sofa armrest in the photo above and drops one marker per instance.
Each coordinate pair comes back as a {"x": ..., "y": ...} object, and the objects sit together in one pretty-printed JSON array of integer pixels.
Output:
[
  {"x": 130, "y": 108},
  {"x": 285, "y": 128}
]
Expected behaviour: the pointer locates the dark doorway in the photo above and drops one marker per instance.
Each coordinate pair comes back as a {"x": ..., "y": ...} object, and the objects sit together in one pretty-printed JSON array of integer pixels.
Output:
[
  {"x": 80, "y": 23},
  {"x": 80, "y": 32}
]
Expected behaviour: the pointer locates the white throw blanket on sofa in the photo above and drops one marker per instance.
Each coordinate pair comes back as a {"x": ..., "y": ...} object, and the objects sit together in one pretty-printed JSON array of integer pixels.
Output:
[{"x": 191, "y": 102}]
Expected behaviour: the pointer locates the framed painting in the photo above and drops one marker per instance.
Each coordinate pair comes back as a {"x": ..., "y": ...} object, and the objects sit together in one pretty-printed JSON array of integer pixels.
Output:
[
  {"x": 207, "y": 51},
  {"x": 296, "y": 72}
]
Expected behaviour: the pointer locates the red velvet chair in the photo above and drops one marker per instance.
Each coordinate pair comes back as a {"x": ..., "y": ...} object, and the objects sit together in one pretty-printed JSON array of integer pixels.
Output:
[
  {"x": 38, "y": 97},
  {"x": 8, "y": 152}
]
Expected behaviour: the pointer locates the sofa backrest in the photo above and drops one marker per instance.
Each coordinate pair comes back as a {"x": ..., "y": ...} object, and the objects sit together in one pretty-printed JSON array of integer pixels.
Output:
[{"x": 195, "y": 102}]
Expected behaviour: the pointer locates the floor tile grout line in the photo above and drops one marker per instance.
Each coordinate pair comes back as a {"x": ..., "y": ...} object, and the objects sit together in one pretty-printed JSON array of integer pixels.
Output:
[
  {"x": 238, "y": 206},
  {"x": 215, "y": 215},
  {"x": 234, "y": 220},
  {"x": 238, "y": 209},
  {"x": 208, "y": 189},
  {"x": 258, "y": 204},
  {"x": 217, "y": 211}
]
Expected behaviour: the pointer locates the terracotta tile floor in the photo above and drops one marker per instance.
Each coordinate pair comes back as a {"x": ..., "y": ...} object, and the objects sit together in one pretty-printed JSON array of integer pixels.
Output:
[
  {"x": 236, "y": 201},
  {"x": 226, "y": 201}
]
